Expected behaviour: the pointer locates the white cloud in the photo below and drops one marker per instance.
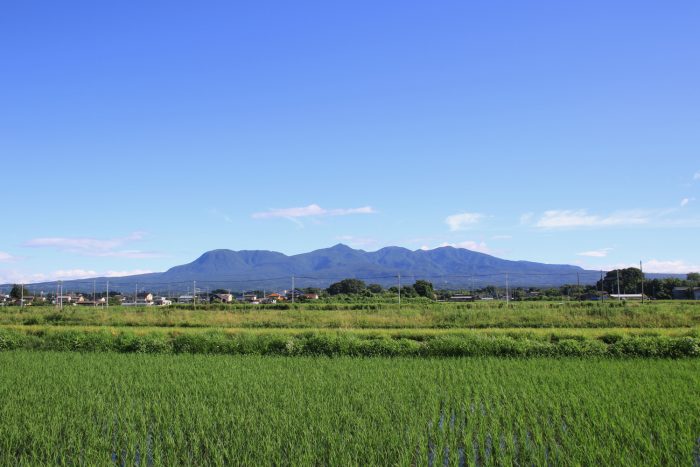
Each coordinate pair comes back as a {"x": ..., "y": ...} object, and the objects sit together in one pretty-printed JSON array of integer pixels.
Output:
[
  {"x": 19, "y": 277},
  {"x": 602, "y": 253},
  {"x": 133, "y": 272},
  {"x": 221, "y": 215},
  {"x": 686, "y": 201},
  {"x": 463, "y": 220},
  {"x": 561, "y": 219},
  {"x": 673, "y": 266},
  {"x": 653, "y": 266},
  {"x": 7, "y": 258},
  {"x": 94, "y": 247},
  {"x": 696, "y": 176},
  {"x": 502, "y": 237},
  {"x": 312, "y": 210}
]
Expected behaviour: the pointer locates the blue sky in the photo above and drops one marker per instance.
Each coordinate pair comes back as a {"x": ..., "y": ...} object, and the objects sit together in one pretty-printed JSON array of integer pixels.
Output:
[{"x": 135, "y": 137}]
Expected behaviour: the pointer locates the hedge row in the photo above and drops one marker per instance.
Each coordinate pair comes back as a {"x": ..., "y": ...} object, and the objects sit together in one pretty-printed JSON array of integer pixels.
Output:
[{"x": 349, "y": 345}]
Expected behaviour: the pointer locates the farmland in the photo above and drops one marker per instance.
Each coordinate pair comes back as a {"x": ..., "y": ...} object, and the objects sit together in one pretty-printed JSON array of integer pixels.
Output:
[
  {"x": 352, "y": 384},
  {"x": 100, "y": 408}
]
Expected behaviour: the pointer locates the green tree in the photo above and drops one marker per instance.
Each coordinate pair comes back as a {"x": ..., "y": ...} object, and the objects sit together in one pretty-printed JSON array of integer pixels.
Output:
[
  {"x": 694, "y": 277},
  {"x": 16, "y": 292},
  {"x": 347, "y": 286},
  {"x": 375, "y": 288},
  {"x": 630, "y": 281},
  {"x": 424, "y": 289}
]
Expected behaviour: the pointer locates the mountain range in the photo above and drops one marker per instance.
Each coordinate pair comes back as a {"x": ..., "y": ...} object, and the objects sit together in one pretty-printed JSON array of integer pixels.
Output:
[{"x": 446, "y": 267}]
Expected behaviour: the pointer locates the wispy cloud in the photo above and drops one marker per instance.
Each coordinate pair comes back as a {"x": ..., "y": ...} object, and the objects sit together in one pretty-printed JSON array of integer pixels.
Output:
[
  {"x": 312, "y": 210},
  {"x": 94, "y": 246},
  {"x": 696, "y": 176},
  {"x": 686, "y": 201},
  {"x": 602, "y": 253},
  {"x": 562, "y": 219},
  {"x": 463, "y": 221},
  {"x": 7, "y": 258},
  {"x": 221, "y": 215},
  {"x": 673, "y": 266},
  {"x": 502, "y": 237},
  {"x": 17, "y": 277}
]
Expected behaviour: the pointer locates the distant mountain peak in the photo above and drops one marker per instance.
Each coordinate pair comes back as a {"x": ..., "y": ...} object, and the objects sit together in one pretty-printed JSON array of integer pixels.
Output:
[{"x": 447, "y": 265}]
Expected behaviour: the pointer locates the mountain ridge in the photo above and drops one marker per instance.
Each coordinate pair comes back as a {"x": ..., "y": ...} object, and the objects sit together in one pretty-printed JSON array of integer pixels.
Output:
[{"x": 446, "y": 267}]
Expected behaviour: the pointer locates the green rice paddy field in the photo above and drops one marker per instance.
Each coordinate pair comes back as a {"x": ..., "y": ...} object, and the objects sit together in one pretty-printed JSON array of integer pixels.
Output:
[
  {"x": 70, "y": 408},
  {"x": 329, "y": 384}
]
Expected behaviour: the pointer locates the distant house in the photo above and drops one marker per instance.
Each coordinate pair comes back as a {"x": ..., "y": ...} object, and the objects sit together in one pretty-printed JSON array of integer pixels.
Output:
[
  {"x": 222, "y": 297},
  {"x": 310, "y": 296},
  {"x": 275, "y": 296},
  {"x": 250, "y": 297},
  {"x": 696, "y": 293},
  {"x": 65, "y": 299},
  {"x": 185, "y": 299},
  {"x": 146, "y": 297},
  {"x": 296, "y": 293},
  {"x": 162, "y": 301}
]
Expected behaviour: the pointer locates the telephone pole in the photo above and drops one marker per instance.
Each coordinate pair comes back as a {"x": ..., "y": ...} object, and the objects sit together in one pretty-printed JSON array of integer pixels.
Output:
[
  {"x": 578, "y": 286},
  {"x": 399, "y": 290},
  {"x": 619, "y": 298},
  {"x": 507, "y": 291},
  {"x": 642, "y": 271},
  {"x": 293, "y": 294},
  {"x": 107, "y": 297}
]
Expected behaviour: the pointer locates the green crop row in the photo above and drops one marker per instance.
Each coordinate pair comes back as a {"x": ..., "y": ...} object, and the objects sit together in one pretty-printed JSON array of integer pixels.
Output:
[
  {"x": 68, "y": 408},
  {"x": 352, "y": 344}
]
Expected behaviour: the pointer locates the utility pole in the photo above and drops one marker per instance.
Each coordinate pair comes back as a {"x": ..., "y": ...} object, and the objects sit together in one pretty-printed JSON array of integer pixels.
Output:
[
  {"x": 578, "y": 285},
  {"x": 107, "y": 297},
  {"x": 21, "y": 300},
  {"x": 94, "y": 292},
  {"x": 399, "y": 290},
  {"x": 60, "y": 295},
  {"x": 642, "y": 271},
  {"x": 136, "y": 293},
  {"x": 507, "y": 290},
  {"x": 602, "y": 288},
  {"x": 194, "y": 295},
  {"x": 619, "y": 298},
  {"x": 293, "y": 293}
]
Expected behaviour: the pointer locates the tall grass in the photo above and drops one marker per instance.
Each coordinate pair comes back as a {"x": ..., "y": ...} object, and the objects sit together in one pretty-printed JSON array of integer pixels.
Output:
[{"x": 385, "y": 316}]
